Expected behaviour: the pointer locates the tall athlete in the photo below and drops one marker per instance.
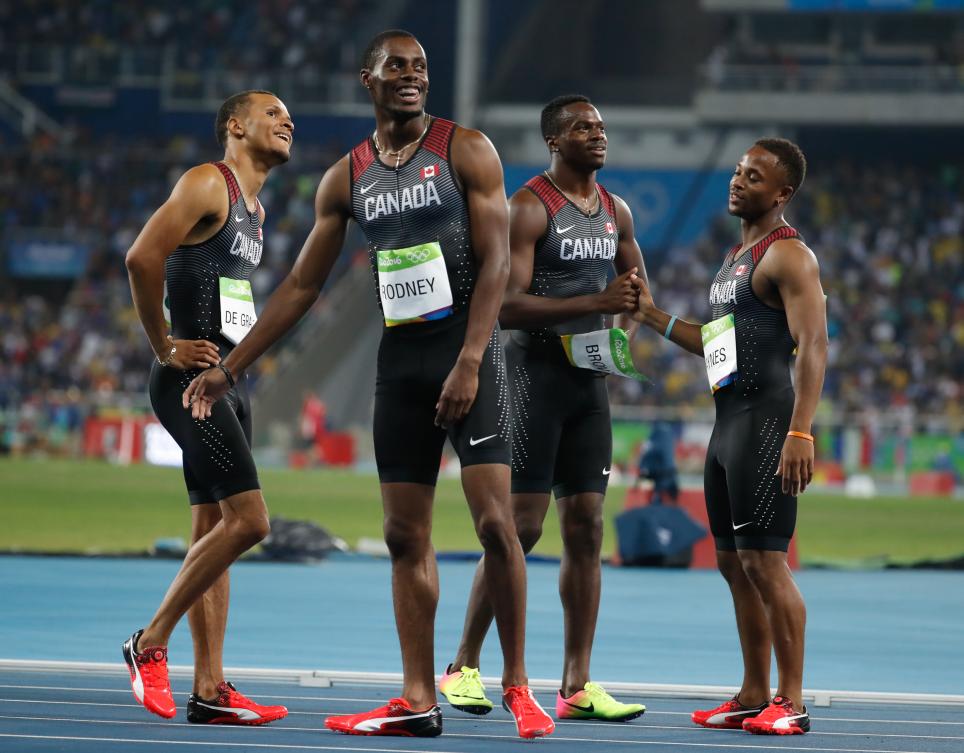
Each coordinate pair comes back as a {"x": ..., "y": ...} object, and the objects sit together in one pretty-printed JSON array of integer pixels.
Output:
[
  {"x": 766, "y": 300},
  {"x": 430, "y": 198},
  {"x": 204, "y": 242},
  {"x": 566, "y": 232}
]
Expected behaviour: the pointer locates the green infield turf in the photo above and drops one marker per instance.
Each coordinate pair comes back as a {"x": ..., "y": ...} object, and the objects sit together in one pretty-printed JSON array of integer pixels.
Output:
[{"x": 96, "y": 507}]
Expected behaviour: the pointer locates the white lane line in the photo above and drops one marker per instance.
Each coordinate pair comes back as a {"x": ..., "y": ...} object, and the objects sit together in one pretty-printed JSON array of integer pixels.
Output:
[
  {"x": 280, "y": 728},
  {"x": 222, "y": 745},
  {"x": 717, "y": 746}
]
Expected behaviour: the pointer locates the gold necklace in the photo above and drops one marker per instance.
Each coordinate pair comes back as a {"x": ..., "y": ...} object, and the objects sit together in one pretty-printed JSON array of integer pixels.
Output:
[
  {"x": 588, "y": 203},
  {"x": 397, "y": 154}
]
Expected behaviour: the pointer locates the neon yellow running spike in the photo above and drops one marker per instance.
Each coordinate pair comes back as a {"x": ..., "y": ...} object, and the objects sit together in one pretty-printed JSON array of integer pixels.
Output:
[
  {"x": 464, "y": 690},
  {"x": 592, "y": 702}
]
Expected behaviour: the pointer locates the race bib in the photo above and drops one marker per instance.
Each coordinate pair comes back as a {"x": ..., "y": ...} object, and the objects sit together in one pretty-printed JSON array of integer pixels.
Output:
[
  {"x": 414, "y": 284},
  {"x": 605, "y": 350},
  {"x": 237, "y": 309},
  {"x": 719, "y": 351}
]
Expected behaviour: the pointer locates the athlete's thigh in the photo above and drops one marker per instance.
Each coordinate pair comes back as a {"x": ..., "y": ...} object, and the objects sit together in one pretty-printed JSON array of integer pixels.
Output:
[
  {"x": 537, "y": 415},
  {"x": 584, "y": 456},
  {"x": 484, "y": 435},
  {"x": 408, "y": 444},
  {"x": 763, "y": 516},
  {"x": 717, "y": 493},
  {"x": 217, "y": 456}
]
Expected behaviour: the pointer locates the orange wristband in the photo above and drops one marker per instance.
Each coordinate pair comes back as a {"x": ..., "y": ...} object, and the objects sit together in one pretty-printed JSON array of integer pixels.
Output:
[{"x": 801, "y": 435}]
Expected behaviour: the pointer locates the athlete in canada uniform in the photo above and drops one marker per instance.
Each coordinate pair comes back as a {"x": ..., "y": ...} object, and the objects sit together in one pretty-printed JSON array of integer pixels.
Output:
[
  {"x": 202, "y": 245},
  {"x": 430, "y": 198},
  {"x": 566, "y": 234},
  {"x": 766, "y": 300}
]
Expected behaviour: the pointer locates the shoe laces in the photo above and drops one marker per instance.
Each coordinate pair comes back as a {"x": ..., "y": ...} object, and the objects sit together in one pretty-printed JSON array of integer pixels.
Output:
[
  {"x": 153, "y": 665},
  {"x": 594, "y": 690},
  {"x": 468, "y": 675},
  {"x": 521, "y": 696}
]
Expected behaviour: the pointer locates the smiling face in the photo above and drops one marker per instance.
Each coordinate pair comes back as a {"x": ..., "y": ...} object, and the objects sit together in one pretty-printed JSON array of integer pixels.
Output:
[
  {"x": 398, "y": 80},
  {"x": 265, "y": 124},
  {"x": 759, "y": 184},
  {"x": 581, "y": 140}
]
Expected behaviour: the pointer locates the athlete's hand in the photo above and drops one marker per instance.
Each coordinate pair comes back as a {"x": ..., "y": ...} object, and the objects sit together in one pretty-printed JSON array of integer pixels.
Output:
[
  {"x": 458, "y": 394},
  {"x": 644, "y": 301},
  {"x": 203, "y": 392},
  {"x": 620, "y": 294},
  {"x": 796, "y": 465},
  {"x": 194, "y": 354}
]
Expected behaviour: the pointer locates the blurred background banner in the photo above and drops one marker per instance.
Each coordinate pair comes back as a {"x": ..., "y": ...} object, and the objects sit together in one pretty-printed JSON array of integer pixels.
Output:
[{"x": 104, "y": 106}]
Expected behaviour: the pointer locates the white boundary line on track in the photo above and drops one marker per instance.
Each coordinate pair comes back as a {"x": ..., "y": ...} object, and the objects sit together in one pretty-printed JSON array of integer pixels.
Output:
[
  {"x": 449, "y": 719},
  {"x": 785, "y": 747},
  {"x": 327, "y": 678},
  {"x": 338, "y": 699}
]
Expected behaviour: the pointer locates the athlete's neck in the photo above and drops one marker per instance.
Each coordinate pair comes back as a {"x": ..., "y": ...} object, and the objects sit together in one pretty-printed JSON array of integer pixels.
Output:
[
  {"x": 577, "y": 183},
  {"x": 394, "y": 132},
  {"x": 250, "y": 172},
  {"x": 757, "y": 229}
]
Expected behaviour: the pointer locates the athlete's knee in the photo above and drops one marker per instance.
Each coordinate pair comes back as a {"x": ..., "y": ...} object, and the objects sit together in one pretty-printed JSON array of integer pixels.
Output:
[
  {"x": 496, "y": 533},
  {"x": 250, "y": 529},
  {"x": 759, "y": 568},
  {"x": 582, "y": 531},
  {"x": 529, "y": 533},
  {"x": 406, "y": 538}
]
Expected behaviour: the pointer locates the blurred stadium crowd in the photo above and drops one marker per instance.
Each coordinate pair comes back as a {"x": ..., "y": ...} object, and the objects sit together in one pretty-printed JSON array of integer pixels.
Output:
[
  {"x": 889, "y": 240},
  {"x": 888, "y": 235}
]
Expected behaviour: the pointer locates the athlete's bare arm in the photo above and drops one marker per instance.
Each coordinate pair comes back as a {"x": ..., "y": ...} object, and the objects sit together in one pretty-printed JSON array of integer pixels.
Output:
[
  {"x": 520, "y": 309},
  {"x": 194, "y": 211},
  {"x": 792, "y": 270},
  {"x": 685, "y": 334},
  {"x": 629, "y": 257},
  {"x": 477, "y": 164},
  {"x": 293, "y": 297}
]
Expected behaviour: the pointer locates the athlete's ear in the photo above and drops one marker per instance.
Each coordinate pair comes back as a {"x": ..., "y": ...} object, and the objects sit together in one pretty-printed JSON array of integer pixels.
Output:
[
  {"x": 365, "y": 76},
  {"x": 236, "y": 127},
  {"x": 552, "y": 144},
  {"x": 784, "y": 196}
]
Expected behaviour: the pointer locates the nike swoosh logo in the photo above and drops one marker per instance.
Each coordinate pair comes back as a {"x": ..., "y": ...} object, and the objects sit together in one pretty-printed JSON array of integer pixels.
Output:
[
  {"x": 365, "y": 190},
  {"x": 246, "y": 714},
  {"x": 238, "y": 219},
  {"x": 589, "y": 709},
  {"x": 474, "y": 442},
  {"x": 607, "y": 471},
  {"x": 738, "y": 527},
  {"x": 562, "y": 230}
]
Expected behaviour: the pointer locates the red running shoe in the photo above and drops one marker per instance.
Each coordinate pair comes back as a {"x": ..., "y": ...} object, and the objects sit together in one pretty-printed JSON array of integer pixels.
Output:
[
  {"x": 530, "y": 718},
  {"x": 779, "y": 718},
  {"x": 149, "y": 680},
  {"x": 729, "y": 715},
  {"x": 397, "y": 717},
  {"x": 231, "y": 707}
]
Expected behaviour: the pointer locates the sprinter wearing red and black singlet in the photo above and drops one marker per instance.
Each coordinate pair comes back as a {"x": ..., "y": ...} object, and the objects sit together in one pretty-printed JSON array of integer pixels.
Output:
[
  {"x": 760, "y": 456},
  {"x": 217, "y": 457},
  {"x": 400, "y": 207},
  {"x": 430, "y": 197},
  {"x": 202, "y": 243},
  {"x": 566, "y": 235}
]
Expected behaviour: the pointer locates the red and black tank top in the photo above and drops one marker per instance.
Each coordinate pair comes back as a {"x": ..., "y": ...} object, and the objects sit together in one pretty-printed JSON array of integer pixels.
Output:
[
  {"x": 192, "y": 272},
  {"x": 574, "y": 256},
  {"x": 418, "y": 202}
]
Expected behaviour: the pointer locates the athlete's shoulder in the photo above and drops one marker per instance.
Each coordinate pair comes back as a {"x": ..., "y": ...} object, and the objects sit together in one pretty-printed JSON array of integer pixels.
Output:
[
  {"x": 790, "y": 256},
  {"x": 469, "y": 141},
  {"x": 334, "y": 188},
  {"x": 528, "y": 212},
  {"x": 202, "y": 186}
]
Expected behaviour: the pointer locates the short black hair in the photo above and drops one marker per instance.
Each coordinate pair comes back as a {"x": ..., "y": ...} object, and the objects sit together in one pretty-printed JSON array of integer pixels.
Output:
[
  {"x": 231, "y": 107},
  {"x": 551, "y": 120},
  {"x": 370, "y": 56},
  {"x": 790, "y": 157}
]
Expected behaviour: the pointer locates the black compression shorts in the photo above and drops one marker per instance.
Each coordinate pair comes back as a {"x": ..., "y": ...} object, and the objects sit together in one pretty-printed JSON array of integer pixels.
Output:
[
  {"x": 562, "y": 436},
  {"x": 217, "y": 451},
  {"x": 412, "y": 366},
  {"x": 744, "y": 500}
]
